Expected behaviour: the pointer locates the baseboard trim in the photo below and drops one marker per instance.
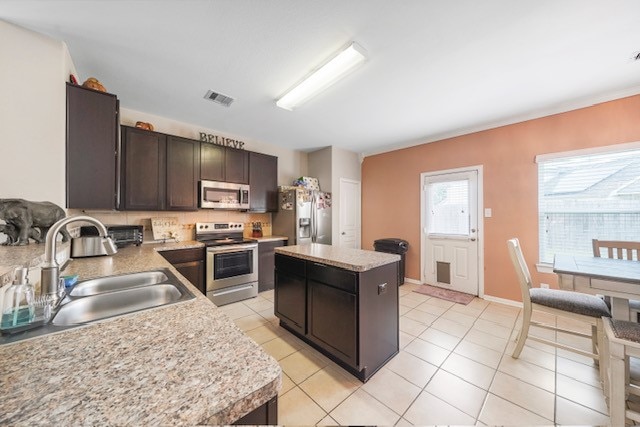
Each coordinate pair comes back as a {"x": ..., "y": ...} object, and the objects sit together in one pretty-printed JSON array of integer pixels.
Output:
[
  {"x": 503, "y": 301},
  {"x": 413, "y": 281}
]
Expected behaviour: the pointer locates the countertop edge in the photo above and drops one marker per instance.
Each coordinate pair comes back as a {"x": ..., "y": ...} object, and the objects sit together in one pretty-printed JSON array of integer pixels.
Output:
[{"x": 293, "y": 251}]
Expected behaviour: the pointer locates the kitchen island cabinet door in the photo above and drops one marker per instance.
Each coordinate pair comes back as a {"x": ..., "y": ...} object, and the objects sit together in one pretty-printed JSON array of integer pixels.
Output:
[
  {"x": 92, "y": 145},
  {"x": 183, "y": 172},
  {"x": 143, "y": 170},
  {"x": 332, "y": 321},
  {"x": 263, "y": 180},
  {"x": 291, "y": 293}
]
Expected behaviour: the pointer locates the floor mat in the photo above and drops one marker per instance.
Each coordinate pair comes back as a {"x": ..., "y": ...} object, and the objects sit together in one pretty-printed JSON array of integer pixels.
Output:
[{"x": 445, "y": 294}]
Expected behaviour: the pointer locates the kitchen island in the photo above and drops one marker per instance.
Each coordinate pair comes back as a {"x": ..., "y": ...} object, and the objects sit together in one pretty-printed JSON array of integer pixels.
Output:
[
  {"x": 343, "y": 302},
  {"x": 185, "y": 363}
]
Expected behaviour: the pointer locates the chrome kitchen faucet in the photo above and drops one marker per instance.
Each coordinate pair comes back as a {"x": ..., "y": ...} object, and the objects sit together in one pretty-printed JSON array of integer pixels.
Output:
[{"x": 50, "y": 275}]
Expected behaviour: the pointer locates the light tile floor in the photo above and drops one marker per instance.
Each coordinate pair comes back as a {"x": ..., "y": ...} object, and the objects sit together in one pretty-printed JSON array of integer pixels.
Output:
[{"x": 454, "y": 367}]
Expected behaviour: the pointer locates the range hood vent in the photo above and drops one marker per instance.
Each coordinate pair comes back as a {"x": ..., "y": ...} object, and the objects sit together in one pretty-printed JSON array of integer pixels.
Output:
[{"x": 219, "y": 98}]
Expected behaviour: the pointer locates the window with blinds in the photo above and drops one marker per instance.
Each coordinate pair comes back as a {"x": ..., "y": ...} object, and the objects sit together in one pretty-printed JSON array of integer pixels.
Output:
[
  {"x": 449, "y": 208},
  {"x": 585, "y": 197}
]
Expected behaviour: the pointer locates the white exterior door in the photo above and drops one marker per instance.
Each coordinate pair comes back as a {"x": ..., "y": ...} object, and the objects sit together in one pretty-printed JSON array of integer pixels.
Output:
[
  {"x": 349, "y": 214},
  {"x": 450, "y": 231}
]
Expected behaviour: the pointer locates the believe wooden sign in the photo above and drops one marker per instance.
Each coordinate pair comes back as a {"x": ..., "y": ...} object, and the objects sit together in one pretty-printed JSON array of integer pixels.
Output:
[{"x": 221, "y": 140}]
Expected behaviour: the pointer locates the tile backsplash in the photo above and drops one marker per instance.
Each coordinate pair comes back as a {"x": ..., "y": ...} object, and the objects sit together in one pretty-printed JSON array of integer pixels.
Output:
[{"x": 186, "y": 220}]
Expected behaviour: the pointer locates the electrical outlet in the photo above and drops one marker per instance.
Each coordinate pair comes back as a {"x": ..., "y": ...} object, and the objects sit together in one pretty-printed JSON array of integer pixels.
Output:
[{"x": 544, "y": 285}]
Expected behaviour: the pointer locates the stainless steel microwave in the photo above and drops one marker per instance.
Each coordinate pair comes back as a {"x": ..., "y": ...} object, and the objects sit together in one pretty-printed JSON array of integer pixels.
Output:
[{"x": 224, "y": 195}]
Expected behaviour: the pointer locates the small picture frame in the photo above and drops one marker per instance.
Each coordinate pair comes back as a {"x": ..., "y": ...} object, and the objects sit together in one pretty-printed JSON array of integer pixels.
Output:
[{"x": 164, "y": 228}]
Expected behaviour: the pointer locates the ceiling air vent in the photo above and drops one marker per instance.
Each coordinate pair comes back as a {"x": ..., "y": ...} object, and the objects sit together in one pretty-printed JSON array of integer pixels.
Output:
[{"x": 219, "y": 98}]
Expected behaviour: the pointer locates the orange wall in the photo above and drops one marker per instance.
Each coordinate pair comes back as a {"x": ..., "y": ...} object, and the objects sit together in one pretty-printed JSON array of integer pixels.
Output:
[{"x": 391, "y": 182}]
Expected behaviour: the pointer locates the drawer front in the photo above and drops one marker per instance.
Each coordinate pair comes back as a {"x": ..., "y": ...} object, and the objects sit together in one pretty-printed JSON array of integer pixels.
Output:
[
  {"x": 336, "y": 277},
  {"x": 291, "y": 265},
  {"x": 178, "y": 256}
]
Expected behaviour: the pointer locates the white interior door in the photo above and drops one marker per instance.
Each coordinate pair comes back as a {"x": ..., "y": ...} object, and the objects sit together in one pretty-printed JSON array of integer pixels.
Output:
[
  {"x": 349, "y": 214},
  {"x": 450, "y": 234}
]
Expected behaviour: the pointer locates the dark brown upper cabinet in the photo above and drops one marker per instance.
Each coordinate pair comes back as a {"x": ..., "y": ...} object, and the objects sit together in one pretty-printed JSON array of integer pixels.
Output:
[
  {"x": 183, "y": 171},
  {"x": 211, "y": 162},
  {"x": 91, "y": 147},
  {"x": 144, "y": 163},
  {"x": 159, "y": 172},
  {"x": 219, "y": 163},
  {"x": 263, "y": 180},
  {"x": 236, "y": 165}
]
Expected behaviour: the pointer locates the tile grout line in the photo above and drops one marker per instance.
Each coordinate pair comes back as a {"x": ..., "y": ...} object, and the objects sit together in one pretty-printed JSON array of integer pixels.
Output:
[{"x": 439, "y": 367}]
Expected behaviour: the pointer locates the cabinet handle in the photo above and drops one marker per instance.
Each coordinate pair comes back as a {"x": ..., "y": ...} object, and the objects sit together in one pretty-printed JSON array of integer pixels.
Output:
[{"x": 382, "y": 288}]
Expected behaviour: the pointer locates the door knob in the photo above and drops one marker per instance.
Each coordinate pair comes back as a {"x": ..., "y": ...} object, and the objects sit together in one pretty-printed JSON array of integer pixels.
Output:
[
  {"x": 473, "y": 230},
  {"x": 473, "y": 239},
  {"x": 343, "y": 233}
]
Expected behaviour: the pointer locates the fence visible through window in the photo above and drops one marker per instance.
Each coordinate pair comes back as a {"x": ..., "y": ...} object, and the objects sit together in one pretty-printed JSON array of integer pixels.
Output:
[
  {"x": 448, "y": 206},
  {"x": 580, "y": 198}
]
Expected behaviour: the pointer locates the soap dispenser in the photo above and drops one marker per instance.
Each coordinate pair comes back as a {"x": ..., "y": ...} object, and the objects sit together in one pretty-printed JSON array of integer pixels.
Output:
[{"x": 18, "y": 307}]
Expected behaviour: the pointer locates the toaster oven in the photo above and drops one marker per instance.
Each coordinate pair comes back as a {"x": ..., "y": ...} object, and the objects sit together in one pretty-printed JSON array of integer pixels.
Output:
[{"x": 122, "y": 235}]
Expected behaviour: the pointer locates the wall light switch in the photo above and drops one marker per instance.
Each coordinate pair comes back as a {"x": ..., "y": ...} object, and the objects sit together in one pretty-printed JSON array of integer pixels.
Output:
[
  {"x": 544, "y": 285},
  {"x": 487, "y": 213}
]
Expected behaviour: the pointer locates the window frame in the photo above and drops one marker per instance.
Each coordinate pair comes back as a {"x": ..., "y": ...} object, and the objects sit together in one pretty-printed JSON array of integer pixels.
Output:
[{"x": 547, "y": 267}]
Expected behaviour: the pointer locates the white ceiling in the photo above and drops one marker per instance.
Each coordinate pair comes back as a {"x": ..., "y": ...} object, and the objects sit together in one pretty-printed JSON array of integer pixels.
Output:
[{"x": 434, "y": 69}]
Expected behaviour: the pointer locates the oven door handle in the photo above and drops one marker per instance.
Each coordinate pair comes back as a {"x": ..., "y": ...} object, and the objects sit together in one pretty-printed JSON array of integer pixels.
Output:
[{"x": 233, "y": 248}]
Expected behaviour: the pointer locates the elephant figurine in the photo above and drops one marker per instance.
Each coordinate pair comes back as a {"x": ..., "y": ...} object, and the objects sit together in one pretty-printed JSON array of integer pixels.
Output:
[
  {"x": 22, "y": 216},
  {"x": 12, "y": 234}
]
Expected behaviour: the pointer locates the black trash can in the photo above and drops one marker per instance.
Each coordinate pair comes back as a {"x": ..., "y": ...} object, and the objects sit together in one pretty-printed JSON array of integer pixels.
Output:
[{"x": 394, "y": 246}]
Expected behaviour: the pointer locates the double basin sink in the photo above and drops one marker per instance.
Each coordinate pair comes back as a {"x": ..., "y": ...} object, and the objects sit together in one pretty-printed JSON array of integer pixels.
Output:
[{"x": 107, "y": 297}]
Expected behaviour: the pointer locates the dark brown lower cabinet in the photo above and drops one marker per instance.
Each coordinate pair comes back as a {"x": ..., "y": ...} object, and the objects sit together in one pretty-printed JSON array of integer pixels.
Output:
[
  {"x": 352, "y": 317},
  {"x": 190, "y": 263},
  {"x": 266, "y": 414},
  {"x": 266, "y": 264},
  {"x": 332, "y": 320},
  {"x": 291, "y": 292}
]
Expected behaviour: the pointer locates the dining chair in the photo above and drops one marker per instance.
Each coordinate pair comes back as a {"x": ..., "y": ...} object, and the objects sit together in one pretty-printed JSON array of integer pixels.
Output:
[
  {"x": 574, "y": 305},
  {"x": 619, "y": 249},
  {"x": 622, "y": 340}
]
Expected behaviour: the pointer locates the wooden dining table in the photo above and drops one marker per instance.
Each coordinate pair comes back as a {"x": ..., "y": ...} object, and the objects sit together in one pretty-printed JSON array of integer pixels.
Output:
[{"x": 616, "y": 278}]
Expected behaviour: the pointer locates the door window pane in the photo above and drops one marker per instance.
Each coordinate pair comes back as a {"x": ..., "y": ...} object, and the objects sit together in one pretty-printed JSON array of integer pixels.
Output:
[
  {"x": 580, "y": 198},
  {"x": 448, "y": 207}
]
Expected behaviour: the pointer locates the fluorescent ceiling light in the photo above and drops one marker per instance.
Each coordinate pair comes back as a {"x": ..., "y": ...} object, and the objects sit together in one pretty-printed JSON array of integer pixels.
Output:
[{"x": 323, "y": 77}]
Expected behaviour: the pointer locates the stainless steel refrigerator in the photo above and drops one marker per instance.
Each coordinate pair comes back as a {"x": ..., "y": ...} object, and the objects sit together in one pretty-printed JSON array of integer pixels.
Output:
[{"x": 304, "y": 216}]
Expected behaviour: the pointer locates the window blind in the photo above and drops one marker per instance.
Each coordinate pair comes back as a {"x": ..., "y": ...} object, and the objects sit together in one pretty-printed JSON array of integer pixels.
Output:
[
  {"x": 585, "y": 197},
  {"x": 449, "y": 207}
]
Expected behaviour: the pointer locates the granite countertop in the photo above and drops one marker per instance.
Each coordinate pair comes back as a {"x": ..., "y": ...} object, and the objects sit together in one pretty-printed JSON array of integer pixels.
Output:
[
  {"x": 349, "y": 259},
  {"x": 185, "y": 363},
  {"x": 30, "y": 255}
]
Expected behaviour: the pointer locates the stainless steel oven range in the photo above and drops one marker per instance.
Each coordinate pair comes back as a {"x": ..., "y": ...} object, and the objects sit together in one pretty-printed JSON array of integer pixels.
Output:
[{"x": 231, "y": 264}]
